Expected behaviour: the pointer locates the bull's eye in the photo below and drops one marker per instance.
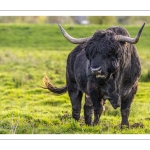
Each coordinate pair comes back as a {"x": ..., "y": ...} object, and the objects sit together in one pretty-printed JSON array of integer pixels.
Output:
[{"x": 87, "y": 55}]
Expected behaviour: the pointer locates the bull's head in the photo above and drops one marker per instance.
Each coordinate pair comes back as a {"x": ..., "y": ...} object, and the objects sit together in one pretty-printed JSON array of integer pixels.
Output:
[
  {"x": 103, "y": 53},
  {"x": 102, "y": 50}
]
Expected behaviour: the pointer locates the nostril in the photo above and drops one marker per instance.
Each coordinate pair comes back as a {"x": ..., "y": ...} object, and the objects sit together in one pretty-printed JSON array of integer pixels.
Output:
[
  {"x": 99, "y": 68},
  {"x": 96, "y": 70}
]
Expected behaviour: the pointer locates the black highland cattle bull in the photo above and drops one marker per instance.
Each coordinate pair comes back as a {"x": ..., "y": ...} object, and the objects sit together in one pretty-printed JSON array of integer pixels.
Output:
[{"x": 103, "y": 66}]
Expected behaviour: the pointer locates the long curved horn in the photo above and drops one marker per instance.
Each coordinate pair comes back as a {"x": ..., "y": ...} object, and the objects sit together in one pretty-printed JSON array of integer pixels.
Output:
[
  {"x": 71, "y": 39},
  {"x": 128, "y": 39}
]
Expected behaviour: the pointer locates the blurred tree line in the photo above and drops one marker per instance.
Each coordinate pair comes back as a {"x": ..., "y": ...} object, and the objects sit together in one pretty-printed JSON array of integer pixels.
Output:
[{"x": 113, "y": 20}]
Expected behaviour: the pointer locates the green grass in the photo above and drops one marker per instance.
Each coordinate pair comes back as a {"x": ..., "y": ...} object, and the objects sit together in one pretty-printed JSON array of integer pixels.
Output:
[
  {"x": 49, "y": 37},
  {"x": 28, "y": 109}
]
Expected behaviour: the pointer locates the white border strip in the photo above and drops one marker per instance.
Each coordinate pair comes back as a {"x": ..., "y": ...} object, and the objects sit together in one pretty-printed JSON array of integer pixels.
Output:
[
  {"x": 74, "y": 5},
  {"x": 75, "y": 13},
  {"x": 75, "y": 137}
]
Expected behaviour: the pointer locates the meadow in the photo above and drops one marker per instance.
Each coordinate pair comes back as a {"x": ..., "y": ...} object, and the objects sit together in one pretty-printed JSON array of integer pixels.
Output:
[{"x": 27, "y": 52}]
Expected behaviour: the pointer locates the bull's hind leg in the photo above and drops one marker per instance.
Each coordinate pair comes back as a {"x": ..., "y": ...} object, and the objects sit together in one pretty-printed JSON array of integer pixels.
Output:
[
  {"x": 75, "y": 97},
  {"x": 88, "y": 110}
]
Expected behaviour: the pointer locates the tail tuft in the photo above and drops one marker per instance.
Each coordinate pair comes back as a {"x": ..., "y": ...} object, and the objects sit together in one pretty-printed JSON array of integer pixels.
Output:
[
  {"x": 50, "y": 87},
  {"x": 47, "y": 82}
]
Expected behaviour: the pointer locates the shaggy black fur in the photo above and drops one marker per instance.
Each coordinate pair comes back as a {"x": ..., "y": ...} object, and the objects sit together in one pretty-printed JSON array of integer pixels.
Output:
[{"x": 120, "y": 67}]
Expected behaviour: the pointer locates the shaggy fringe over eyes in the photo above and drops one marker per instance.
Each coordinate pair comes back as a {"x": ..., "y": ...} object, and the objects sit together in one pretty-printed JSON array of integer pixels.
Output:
[{"x": 102, "y": 42}]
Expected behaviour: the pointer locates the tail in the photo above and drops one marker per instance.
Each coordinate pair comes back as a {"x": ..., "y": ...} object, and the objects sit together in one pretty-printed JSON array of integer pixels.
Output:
[{"x": 52, "y": 88}]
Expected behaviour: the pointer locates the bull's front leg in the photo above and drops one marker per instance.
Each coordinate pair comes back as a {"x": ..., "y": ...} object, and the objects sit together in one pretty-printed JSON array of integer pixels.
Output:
[
  {"x": 97, "y": 113},
  {"x": 125, "y": 106},
  {"x": 88, "y": 110},
  {"x": 96, "y": 100},
  {"x": 125, "y": 115}
]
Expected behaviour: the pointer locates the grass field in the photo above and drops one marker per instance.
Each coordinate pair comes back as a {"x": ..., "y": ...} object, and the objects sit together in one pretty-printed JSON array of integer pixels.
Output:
[{"x": 27, "y": 52}]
